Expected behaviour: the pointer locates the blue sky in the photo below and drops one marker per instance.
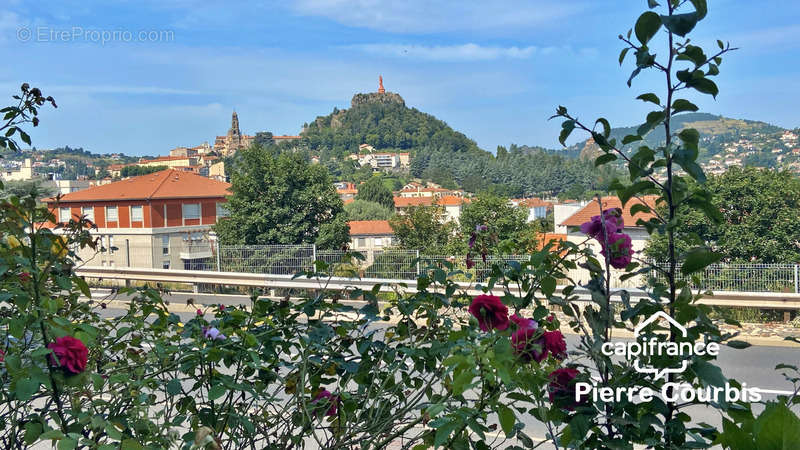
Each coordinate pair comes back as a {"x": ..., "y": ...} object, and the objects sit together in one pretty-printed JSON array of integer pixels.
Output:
[{"x": 493, "y": 70}]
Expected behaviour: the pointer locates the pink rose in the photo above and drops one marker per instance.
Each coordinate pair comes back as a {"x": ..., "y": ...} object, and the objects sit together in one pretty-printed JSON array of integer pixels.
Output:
[
  {"x": 621, "y": 250},
  {"x": 523, "y": 322},
  {"x": 490, "y": 312},
  {"x": 199, "y": 312},
  {"x": 326, "y": 396},
  {"x": 70, "y": 354},
  {"x": 613, "y": 223},
  {"x": 213, "y": 334}
]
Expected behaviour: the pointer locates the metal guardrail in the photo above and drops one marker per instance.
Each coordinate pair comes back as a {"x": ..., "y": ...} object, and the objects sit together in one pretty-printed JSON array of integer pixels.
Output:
[{"x": 768, "y": 300}]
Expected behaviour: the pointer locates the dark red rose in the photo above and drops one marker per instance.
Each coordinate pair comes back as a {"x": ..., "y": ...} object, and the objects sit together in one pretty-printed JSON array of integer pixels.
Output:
[
  {"x": 199, "y": 312},
  {"x": 555, "y": 344},
  {"x": 2, "y": 355},
  {"x": 70, "y": 354},
  {"x": 24, "y": 277},
  {"x": 561, "y": 389},
  {"x": 326, "y": 398},
  {"x": 526, "y": 346},
  {"x": 490, "y": 312}
]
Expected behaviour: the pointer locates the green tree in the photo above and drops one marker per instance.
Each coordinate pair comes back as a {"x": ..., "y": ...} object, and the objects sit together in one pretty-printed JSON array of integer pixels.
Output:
[
  {"x": 423, "y": 228},
  {"x": 282, "y": 200},
  {"x": 263, "y": 139},
  {"x": 366, "y": 210},
  {"x": 505, "y": 223},
  {"x": 375, "y": 190},
  {"x": 759, "y": 208},
  {"x": 133, "y": 171}
]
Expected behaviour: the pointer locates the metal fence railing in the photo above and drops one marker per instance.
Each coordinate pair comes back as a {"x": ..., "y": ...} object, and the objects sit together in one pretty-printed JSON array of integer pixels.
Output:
[
  {"x": 743, "y": 277},
  {"x": 398, "y": 264}
]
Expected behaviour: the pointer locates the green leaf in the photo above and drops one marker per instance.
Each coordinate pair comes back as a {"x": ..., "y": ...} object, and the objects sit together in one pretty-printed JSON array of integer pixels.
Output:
[
  {"x": 507, "y": 419},
  {"x": 548, "y": 286},
  {"x": 690, "y": 137},
  {"x": 708, "y": 373},
  {"x": 622, "y": 54},
  {"x": 631, "y": 138},
  {"x": 606, "y": 126},
  {"x": 67, "y": 444},
  {"x": 566, "y": 129},
  {"x": 130, "y": 444},
  {"x": 649, "y": 97},
  {"x": 174, "y": 387},
  {"x": 681, "y": 105},
  {"x": 216, "y": 392},
  {"x": 703, "y": 85},
  {"x": 647, "y": 26},
  {"x": 83, "y": 286},
  {"x": 698, "y": 259},
  {"x": 653, "y": 119},
  {"x": 694, "y": 54},
  {"x": 32, "y": 432},
  {"x": 680, "y": 24},
  {"x": 604, "y": 159},
  {"x": 777, "y": 428},
  {"x": 701, "y": 7},
  {"x": 733, "y": 437},
  {"x": 26, "y": 387}
]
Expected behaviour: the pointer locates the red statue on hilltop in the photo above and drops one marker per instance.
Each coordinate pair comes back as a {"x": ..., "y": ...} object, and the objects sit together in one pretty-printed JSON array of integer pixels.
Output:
[{"x": 381, "y": 90}]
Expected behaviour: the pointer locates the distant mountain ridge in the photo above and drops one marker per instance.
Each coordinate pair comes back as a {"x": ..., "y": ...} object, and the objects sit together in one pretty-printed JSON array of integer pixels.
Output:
[{"x": 738, "y": 141}]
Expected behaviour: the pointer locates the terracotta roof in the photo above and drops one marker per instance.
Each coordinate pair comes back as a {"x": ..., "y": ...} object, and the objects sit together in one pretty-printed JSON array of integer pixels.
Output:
[
  {"x": 532, "y": 202},
  {"x": 403, "y": 202},
  {"x": 369, "y": 227},
  {"x": 449, "y": 200},
  {"x": 593, "y": 209},
  {"x": 165, "y": 184},
  {"x": 347, "y": 191}
]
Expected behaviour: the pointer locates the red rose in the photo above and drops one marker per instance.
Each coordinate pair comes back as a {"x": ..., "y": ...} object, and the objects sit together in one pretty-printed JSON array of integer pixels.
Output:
[
  {"x": 561, "y": 389},
  {"x": 70, "y": 354},
  {"x": 490, "y": 312},
  {"x": 24, "y": 277},
  {"x": 2, "y": 355},
  {"x": 554, "y": 343},
  {"x": 325, "y": 397},
  {"x": 199, "y": 312}
]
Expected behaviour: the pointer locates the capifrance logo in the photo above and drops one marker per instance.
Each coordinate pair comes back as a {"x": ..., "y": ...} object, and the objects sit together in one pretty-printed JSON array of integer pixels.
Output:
[{"x": 681, "y": 352}]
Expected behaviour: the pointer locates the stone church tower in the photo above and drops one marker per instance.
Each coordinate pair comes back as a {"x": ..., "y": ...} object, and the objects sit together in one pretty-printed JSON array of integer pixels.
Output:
[{"x": 234, "y": 140}]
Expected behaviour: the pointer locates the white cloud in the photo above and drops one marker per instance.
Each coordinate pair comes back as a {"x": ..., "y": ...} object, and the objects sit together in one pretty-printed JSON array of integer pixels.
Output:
[
  {"x": 425, "y": 16},
  {"x": 464, "y": 52}
]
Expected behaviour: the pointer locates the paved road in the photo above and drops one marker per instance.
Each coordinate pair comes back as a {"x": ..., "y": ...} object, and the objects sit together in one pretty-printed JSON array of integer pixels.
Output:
[{"x": 754, "y": 365}]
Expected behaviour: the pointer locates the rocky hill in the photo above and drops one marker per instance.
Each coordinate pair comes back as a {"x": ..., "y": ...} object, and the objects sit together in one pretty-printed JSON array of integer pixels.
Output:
[{"x": 440, "y": 153}]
